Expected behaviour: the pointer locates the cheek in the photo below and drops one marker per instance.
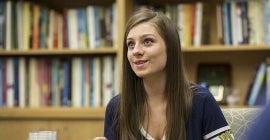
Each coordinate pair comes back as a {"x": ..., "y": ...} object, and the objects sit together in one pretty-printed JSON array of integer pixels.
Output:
[
  {"x": 163, "y": 60},
  {"x": 129, "y": 56}
]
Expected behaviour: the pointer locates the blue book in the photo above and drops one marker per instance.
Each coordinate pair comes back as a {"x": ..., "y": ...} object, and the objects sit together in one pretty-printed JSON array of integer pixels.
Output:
[
  {"x": 16, "y": 81},
  {"x": 227, "y": 23},
  {"x": 92, "y": 98},
  {"x": 82, "y": 28},
  {"x": 261, "y": 99},
  {"x": 245, "y": 25},
  {"x": 43, "y": 27},
  {"x": 97, "y": 26},
  {"x": 66, "y": 95},
  {"x": 257, "y": 85}
]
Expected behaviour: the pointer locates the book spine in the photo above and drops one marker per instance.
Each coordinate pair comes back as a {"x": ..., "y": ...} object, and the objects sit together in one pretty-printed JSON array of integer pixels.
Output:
[
  {"x": 2, "y": 24},
  {"x": 257, "y": 84}
]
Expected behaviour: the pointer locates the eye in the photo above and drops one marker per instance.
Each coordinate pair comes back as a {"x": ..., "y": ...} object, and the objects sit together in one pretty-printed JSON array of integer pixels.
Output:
[
  {"x": 148, "y": 41},
  {"x": 130, "y": 44}
]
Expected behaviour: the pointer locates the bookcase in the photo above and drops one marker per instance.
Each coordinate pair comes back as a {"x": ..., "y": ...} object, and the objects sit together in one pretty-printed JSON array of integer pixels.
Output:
[{"x": 87, "y": 122}]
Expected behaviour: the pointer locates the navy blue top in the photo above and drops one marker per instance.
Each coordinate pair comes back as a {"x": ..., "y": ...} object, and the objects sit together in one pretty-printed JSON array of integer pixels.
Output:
[{"x": 206, "y": 119}]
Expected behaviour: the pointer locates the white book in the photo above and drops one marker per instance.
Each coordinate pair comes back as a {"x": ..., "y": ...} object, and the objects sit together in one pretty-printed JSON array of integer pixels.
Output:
[
  {"x": 233, "y": 23},
  {"x": 10, "y": 82},
  {"x": 238, "y": 25},
  {"x": 181, "y": 23},
  {"x": 72, "y": 28},
  {"x": 34, "y": 87},
  {"x": 97, "y": 82},
  {"x": 26, "y": 24},
  {"x": 22, "y": 82},
  {"x": 255, "y": 22},
  {"x": 198, "y": 24},
  {"x": 76, "y": 82},
  {"x": 91, "y": 26},
  {"x": 107, "y": 79}
]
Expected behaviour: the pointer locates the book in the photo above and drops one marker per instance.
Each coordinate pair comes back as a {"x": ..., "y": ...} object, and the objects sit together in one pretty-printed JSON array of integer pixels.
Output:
[
  {"x": 227, "y": 23},
  {"x": 95, "y": 80},
  {"x": 55, "y": 88},
  {"x": 66, "y": 75},
  {"x": 1, "y": 81},
  {"x": 257, "y": 84},
  {"x": 36, "y": 28},
  {"x": 76, "y": 82},
  {"x": 2, "y": 24},
  {"x": 10, "y": 82},
  {"x": 19, "y": 16},
  {"x": 267, "y": 79},
  {"x": 16, "y": 81},
  {"x": 8, "y": 20},
  {"x": 72, "y": 26},
  {"x": 34, "y": 88},
  {"x": 26, "y": 14},
  {"x": 22, "y": 82},
  {"x": 107, "y": 79},
  {"x": 86, "y": 82}
]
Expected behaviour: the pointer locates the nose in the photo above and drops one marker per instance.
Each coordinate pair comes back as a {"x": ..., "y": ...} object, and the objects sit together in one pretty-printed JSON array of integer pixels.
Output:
[{"x": 137, "y": 50}]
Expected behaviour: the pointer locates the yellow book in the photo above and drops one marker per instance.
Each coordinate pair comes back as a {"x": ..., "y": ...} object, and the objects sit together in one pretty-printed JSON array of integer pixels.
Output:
[
  {"x": 26, "y": 25},
  {"x": 188, "y": 25}
]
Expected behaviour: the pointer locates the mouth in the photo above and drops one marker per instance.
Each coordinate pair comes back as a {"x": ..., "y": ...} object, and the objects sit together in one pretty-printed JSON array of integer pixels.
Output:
[{"x": 139, "y": 62}]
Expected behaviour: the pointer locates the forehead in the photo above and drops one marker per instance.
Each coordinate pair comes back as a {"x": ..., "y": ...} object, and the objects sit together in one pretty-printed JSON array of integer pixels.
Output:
[{"x": 143, "y": 29}]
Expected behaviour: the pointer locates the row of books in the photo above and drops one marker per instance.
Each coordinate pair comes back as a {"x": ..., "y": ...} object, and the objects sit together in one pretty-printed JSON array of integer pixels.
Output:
[
  {"x": 259, "y": 90},
  {"x": 245, "y": 22},
  {"x": 25, "y": 25},
  {"x": 66, "y": 81},
  {"x": 188, "y": 17},
  {"x": 235, "y": 22}
]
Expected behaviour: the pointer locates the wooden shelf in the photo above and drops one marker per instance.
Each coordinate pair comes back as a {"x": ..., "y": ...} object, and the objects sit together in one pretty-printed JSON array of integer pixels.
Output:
[
  {"x": 52, "y": 113},
  {"x": 222, "y": 48},
  {"x": 99, "y": 51}
]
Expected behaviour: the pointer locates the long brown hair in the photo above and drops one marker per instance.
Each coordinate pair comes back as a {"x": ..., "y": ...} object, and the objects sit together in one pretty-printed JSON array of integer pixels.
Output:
[{"x": 133, "y": 95}]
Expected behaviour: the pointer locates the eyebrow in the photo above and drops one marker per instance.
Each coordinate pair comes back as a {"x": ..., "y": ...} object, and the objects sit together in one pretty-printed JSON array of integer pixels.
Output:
[{"x": 144, "y": 35}]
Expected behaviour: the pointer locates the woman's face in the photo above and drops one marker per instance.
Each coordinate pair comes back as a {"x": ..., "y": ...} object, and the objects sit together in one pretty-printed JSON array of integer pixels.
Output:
[{"x": 146, "y": 51}]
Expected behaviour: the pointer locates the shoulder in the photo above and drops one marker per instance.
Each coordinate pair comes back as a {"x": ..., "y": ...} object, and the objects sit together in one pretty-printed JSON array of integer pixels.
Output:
[
  {"x": 201, "y": 95},
  {"x": 203, "y": 100},
  {"x": 206, "y": 111},
  {"x": 113, "y": 105},
  {"x": 111, "y": 124}
]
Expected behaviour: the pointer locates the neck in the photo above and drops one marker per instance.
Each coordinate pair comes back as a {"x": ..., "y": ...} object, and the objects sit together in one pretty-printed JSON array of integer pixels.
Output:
[{"x": 155, "y": 89}]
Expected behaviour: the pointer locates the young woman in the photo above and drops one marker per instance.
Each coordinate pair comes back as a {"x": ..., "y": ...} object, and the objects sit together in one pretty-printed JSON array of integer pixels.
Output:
[{"x": 157, "y": 102}]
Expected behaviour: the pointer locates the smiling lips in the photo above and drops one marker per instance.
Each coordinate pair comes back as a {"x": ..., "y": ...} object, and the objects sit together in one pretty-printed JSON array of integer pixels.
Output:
[{"x": 140, "y": 63}]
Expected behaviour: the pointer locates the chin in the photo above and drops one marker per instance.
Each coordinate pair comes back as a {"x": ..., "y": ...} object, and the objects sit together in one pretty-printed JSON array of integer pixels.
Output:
[{"x": 141, "y": 75}]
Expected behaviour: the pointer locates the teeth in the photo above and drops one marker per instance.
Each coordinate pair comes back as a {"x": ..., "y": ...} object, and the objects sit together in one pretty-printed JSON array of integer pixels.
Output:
[{"x": 139, "y": 62}]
